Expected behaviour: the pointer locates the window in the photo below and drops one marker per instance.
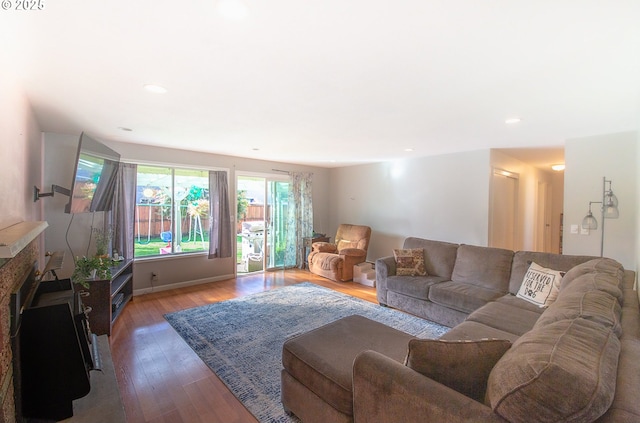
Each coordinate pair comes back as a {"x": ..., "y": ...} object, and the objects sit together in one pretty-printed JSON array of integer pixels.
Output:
[{"x": 172, "y": 211}]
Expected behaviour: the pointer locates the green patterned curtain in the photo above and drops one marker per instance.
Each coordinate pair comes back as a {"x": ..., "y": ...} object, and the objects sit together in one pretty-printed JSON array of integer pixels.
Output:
[{"x": 300, "y": 219}]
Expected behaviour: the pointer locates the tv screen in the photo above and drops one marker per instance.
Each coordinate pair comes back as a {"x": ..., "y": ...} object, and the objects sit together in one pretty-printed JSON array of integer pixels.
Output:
[{"x": 94, "y": 178}]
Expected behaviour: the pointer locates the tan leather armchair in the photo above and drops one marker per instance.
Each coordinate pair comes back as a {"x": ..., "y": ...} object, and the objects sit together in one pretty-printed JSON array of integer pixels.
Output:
[{"x": 336, "y": 260}]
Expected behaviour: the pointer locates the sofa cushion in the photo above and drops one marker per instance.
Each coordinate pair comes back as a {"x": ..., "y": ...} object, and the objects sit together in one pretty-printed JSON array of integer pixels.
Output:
[
  {"x": 630, "y": 315},
  {"x": 460, "y": 365},
  {"x": 522, "y": 260},
  {"x": 565, "y": 371},
  {"x": 476, "y": 331},
  {"x": 604, "y": 272},
  {"x": 596, "y": 265},
  {"x": 439, "y": 256},
  {"x": 462, "y": 296},
  {"x": 597, "y": 306},
  {"x": 514, "y": 301},
  {"x": 409, "y": 262},
  {"x": 343, "y": 244},
  {"x": 326, "y": 261},
  {"x": 540, "y": 285},
  {"x": 471, "y": 267},
  {"x": 626, "y": 407},
  {"x": 505, "y": 317},
  {"x": 592, "y": 282},
  {"x": 413, "y": 286}
]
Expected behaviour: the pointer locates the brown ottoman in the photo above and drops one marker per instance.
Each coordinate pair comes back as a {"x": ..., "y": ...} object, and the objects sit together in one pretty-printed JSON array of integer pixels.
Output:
[{"x": 317, "y": 376}]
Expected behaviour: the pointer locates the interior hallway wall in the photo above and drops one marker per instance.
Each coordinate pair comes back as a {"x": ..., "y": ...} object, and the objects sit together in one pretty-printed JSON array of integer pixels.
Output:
[
  {"x": 443, "y": 197},
  {"x": 588, "y": 160}
]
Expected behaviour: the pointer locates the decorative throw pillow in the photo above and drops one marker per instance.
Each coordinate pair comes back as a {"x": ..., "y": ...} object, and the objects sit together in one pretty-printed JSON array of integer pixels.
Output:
[
  {"x": 540, "y": 285},
  {"x": 461, "y": 365},
  {"x": 410, "y": 262}
]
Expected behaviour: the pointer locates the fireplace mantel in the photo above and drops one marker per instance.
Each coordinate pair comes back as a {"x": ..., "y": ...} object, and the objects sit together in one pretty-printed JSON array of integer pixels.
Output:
[{"x": 16, "y": 237}]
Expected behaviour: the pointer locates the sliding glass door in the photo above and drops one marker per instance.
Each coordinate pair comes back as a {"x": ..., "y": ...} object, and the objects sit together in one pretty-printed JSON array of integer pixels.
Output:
[
  {"x": 262, "y": 209},
  {"x": 277, "y": 212}
]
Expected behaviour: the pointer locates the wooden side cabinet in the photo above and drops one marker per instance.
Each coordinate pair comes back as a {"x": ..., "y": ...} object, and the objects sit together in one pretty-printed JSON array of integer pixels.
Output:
[{"x": 107, "y": 298}]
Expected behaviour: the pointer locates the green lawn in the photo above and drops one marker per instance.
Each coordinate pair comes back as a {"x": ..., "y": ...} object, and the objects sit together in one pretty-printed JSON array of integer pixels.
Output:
[{"x": 152, "y": 248}]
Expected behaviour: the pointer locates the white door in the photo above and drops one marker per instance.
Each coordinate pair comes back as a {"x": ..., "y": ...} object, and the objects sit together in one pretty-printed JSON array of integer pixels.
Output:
[
  {"x": 504, "y": 208},
  {"x": 543, "y": 218}
]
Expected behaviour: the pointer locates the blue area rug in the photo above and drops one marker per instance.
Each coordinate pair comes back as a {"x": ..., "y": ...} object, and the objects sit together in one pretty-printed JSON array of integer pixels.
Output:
[{"x": 241, "y": 339}]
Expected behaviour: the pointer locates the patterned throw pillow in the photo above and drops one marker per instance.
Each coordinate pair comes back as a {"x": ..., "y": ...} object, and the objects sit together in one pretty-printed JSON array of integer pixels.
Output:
[
  {"x": 410, "y": 262},
  {"x": 540, "y": 285}
]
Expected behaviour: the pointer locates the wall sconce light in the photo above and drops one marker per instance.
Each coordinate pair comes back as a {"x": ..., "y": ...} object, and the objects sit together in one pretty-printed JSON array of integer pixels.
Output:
[{"x": 609, "y": 210}]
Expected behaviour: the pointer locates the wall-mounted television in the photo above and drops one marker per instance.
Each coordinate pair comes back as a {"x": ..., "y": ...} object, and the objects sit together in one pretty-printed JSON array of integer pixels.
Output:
[{"x": 94, "y": 177}]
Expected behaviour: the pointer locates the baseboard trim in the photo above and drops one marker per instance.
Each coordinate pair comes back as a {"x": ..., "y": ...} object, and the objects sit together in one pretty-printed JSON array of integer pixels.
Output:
[{"x": 167, "y": 287}]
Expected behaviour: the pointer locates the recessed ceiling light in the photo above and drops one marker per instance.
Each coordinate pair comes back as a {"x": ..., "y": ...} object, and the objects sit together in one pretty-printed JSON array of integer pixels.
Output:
[
  {"x": 511, "y": 121},
  {"x": 408, "y": 149},
  {"x": 558, "y": 167},
  {"x": 156, "y": 89},
  {"x": 122, "y": 128}
]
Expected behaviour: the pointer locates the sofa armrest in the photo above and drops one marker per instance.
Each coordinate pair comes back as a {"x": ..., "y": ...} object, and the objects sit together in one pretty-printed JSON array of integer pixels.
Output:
[
  {"x": 324, "y": 247},
  {"x": 350, "y": 257},
  {"x": 385, "y": 266},
  {"x": 387, "y": 391}
]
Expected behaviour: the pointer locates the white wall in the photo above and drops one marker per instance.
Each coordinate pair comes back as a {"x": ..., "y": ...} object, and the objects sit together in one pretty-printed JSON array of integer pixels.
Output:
[
  {"x": 20, "y": 152},
  {"x": 588, "y": 160},
  {"x": 637, "y": 268},
  {"x": 442, "y": 197},
  {"x": 60, "y": 151}
]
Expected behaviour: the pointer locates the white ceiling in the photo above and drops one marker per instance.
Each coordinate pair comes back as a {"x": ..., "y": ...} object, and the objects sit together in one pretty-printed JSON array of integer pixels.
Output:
[{"x": 333, "y": 82}]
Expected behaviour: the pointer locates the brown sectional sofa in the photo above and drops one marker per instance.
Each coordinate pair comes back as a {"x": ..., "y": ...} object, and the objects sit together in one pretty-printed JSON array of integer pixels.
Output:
[{"x": 577, "y": 360}]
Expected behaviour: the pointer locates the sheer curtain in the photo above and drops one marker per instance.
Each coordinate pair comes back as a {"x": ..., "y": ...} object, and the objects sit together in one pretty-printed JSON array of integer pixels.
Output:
[
  {"x": 122, "y": 215},
  {"x": 300, "y": 219},
  {"x": 220, "y": 244}
]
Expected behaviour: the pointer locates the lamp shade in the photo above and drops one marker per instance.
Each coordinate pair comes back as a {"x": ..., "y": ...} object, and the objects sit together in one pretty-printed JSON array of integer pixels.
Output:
[
  {"x": 611, "y": 205},
  {"x": 589, "y": 222},
  {"x": 611, "y": 212}
]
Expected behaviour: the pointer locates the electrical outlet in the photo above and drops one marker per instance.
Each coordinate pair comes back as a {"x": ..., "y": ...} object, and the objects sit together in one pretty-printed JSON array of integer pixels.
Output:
[
  {"x": 584, "y": 231},
  {"x": 154, "y": 276}
]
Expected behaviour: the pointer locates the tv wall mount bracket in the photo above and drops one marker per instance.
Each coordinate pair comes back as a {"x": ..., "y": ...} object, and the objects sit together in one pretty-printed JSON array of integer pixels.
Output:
[{"x": 54, "y": 188}]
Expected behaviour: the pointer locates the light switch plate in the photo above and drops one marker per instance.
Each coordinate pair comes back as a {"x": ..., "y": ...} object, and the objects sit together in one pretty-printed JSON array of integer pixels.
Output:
[{"x": 574, "y": 229}]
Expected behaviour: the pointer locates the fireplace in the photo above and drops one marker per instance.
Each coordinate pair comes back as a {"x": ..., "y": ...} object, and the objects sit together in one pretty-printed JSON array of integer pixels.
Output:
[
  {"x": 12, "y": 274},
  {"x": 53, "y": 348},
  {"x": 22, "y": 295}
]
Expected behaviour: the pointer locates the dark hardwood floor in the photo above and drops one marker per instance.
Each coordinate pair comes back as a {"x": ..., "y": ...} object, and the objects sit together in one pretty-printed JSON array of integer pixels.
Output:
[{"x": 160, "y": 378}]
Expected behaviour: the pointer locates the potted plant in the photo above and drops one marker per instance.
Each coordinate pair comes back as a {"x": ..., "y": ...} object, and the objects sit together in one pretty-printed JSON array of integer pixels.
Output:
[
  {"x": 88, "y": 268},
  {"x": 103, "y": 238}
]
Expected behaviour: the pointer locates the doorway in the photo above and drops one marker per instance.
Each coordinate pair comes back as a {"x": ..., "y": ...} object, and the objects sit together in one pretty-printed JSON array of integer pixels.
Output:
[{"x": 262, "y": 210}]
